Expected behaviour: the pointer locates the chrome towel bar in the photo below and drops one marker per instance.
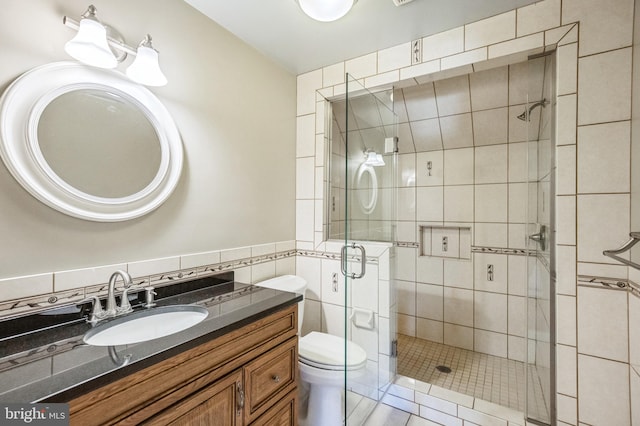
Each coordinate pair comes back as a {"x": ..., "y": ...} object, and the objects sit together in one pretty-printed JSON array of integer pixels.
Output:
[{"x": 635, "y": 238}]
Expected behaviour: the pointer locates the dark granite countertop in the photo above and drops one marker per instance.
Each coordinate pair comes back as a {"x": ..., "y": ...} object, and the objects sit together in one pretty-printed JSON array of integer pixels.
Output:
[{"x": 43, "y": 357}]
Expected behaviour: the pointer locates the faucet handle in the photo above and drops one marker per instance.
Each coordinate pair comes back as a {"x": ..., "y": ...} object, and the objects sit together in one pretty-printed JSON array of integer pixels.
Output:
[
  {"x": 125, "y": 306},
  {"x": 96, "y": 310}
]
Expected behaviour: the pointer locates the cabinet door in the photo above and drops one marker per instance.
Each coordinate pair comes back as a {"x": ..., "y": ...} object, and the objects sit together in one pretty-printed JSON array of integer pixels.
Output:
[{"x": 219, "y": 404}]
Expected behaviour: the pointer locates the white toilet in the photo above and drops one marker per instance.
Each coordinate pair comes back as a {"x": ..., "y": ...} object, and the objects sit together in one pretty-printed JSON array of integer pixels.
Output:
[{"x": 321, "y": 361}]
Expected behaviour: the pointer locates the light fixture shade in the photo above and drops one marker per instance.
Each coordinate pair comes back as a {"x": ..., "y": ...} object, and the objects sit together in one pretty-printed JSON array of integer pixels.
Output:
[
  {"x": 90, "y": 45},
  {"x": 373, "y": 159},
  {"x": 146, "y": 69},
  {"x": 326, "y": 10}
]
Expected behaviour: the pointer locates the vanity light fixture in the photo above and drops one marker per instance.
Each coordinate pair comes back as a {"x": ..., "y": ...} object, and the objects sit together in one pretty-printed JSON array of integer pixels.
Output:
[
  {"x": 90, "y": 45},
  {"x": 145, "y": 69},
  {"x": 326, "y": 10},
  {"x": 96, "y": 43}
]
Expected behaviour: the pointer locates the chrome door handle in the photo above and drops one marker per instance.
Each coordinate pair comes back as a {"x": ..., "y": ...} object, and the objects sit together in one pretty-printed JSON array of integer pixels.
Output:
[{"x": 363, "y": 261}]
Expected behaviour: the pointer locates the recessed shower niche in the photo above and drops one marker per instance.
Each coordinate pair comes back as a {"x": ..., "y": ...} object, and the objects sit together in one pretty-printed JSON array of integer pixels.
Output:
[{"x": 445, "y": 241}]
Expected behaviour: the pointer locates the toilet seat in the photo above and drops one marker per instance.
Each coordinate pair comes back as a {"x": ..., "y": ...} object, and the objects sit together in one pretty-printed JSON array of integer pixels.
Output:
[{"x": 325, "y": 351}]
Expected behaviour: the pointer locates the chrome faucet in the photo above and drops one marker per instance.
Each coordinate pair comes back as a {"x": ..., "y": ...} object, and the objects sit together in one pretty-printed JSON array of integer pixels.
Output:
[{"x": 113, "y": 309}]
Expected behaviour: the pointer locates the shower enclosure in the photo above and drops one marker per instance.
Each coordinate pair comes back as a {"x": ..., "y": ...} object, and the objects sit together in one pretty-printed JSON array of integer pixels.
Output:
[{"x": 457, "y": 174}]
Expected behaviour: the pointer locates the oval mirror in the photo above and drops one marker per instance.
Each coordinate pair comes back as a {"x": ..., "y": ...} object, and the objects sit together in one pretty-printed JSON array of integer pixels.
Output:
[
  {"x": 366, "y": 185},
  {"x": 89, "y": 142},
  {"x": 99, "y": 143}
]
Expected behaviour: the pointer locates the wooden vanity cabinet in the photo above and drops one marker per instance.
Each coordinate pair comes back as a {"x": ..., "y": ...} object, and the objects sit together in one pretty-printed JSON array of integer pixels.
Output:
[{"x": 247, "y": 376}]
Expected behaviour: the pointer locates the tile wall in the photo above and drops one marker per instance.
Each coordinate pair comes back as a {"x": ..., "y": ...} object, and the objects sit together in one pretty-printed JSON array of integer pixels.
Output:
[
  {"x": 466, "y": 129},
  {"x": 594, "y": 70},
  {"x": 328, "y": 296},
  {"x": 251, "y": 264}
]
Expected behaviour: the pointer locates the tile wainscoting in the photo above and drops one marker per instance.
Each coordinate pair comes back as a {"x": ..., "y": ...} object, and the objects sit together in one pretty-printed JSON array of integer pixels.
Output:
[{"x": 43, "y": 291}]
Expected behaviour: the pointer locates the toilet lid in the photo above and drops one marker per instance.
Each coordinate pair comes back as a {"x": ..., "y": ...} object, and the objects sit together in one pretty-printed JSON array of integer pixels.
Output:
[
  {"x": 290, "y": 283},
  {"x": 326, "y": 351}
]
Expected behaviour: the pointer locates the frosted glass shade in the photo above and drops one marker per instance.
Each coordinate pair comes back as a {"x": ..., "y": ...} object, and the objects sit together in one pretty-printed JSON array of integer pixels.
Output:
[
  {"x": 326, "y": 10},
  {"x": 146, "y": 69},
  {"x": 373, "y": 159},
  {"x": 90, "y": 45}
]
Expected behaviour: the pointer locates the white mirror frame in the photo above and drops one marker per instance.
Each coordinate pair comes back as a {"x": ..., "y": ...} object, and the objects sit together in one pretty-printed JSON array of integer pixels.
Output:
[
  {"x": 369, "y": 206},
  {"x": 21, "y": 106}
]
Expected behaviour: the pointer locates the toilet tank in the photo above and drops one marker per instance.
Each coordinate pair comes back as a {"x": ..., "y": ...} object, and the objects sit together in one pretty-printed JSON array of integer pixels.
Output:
[{"x": 290, "y": 283}]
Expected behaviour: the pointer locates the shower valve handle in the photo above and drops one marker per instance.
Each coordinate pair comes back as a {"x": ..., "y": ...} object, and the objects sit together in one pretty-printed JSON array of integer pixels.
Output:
[{"x": 540, "y": 237}]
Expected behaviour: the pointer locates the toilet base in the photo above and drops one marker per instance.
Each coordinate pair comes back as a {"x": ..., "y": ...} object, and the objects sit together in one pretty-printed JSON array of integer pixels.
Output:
[{"x": 325, "y": 407}]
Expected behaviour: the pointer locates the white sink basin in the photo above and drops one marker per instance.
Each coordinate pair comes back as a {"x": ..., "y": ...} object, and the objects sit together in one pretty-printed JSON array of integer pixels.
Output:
[{"x": 145, "y": 325}]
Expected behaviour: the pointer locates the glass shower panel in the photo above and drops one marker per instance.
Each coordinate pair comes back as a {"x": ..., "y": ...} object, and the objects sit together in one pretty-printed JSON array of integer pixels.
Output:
[
  {"x": 365, "y": 169},
  {"x": 362, "y": 166},
  {"x": 541, "y": 240}
]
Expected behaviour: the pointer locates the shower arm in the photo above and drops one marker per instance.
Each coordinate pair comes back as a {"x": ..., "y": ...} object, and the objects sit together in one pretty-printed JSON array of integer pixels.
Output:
[
  {"x": 635, "y": 238},
  {"x": 527, "y": 112}
]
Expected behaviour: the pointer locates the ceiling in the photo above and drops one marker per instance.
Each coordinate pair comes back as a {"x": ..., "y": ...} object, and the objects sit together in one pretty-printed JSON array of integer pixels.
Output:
[{"x": 281, "y": 31}]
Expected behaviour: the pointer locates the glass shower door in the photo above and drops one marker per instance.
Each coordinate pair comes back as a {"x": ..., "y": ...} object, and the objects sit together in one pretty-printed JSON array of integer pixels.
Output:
[
  {"x": 541, "y": 245},
  {"x": 368, "y": 195}
]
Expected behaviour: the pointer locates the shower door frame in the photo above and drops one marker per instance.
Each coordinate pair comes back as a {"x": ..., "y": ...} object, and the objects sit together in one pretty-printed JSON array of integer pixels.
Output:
[{"x": 550, "y": 234}]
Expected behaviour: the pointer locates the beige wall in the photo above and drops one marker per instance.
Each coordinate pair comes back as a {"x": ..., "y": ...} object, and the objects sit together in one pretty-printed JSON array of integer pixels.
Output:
[{"x": 236, "y": 113}]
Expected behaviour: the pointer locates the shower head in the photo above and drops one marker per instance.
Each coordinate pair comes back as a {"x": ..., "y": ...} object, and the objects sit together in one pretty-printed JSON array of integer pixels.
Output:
[{"x": 526, "y": 115}]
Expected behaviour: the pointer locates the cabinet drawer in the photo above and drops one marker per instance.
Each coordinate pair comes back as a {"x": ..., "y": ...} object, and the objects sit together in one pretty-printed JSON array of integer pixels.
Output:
[
  {"x": 270, "y": 377},
  {"x": 284, "y": 413}
]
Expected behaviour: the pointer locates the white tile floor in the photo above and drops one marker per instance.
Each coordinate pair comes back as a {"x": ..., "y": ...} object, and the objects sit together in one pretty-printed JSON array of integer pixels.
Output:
[
  {"x": 385, "y": 415},
  {"x": 410, "y": 402}
]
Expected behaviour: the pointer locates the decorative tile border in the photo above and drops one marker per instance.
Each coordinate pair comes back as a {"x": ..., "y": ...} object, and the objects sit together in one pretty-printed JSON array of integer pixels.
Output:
[
  {"x": 40, "y": 303},
  {"x": 333, "y": 256},
  {"x": 407, "y": 244},
  {"x": 243, "y": 263},
  {"x": 611, "y": 283},
  {"x": 34, "y": 304},
  {"x": 477, "y": 249},
  {"x": 507, "y": 251}
]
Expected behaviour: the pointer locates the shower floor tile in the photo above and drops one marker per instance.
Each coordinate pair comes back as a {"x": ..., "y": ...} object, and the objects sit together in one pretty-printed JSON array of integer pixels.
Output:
[{"x": 487, "y": 377}]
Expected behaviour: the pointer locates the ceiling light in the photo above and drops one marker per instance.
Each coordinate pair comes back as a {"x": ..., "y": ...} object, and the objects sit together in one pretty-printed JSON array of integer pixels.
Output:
[
  {"x": 145, "y": 69},
  {"x": 90, "y": 45},
  {"x": 326, "y": 10}
]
